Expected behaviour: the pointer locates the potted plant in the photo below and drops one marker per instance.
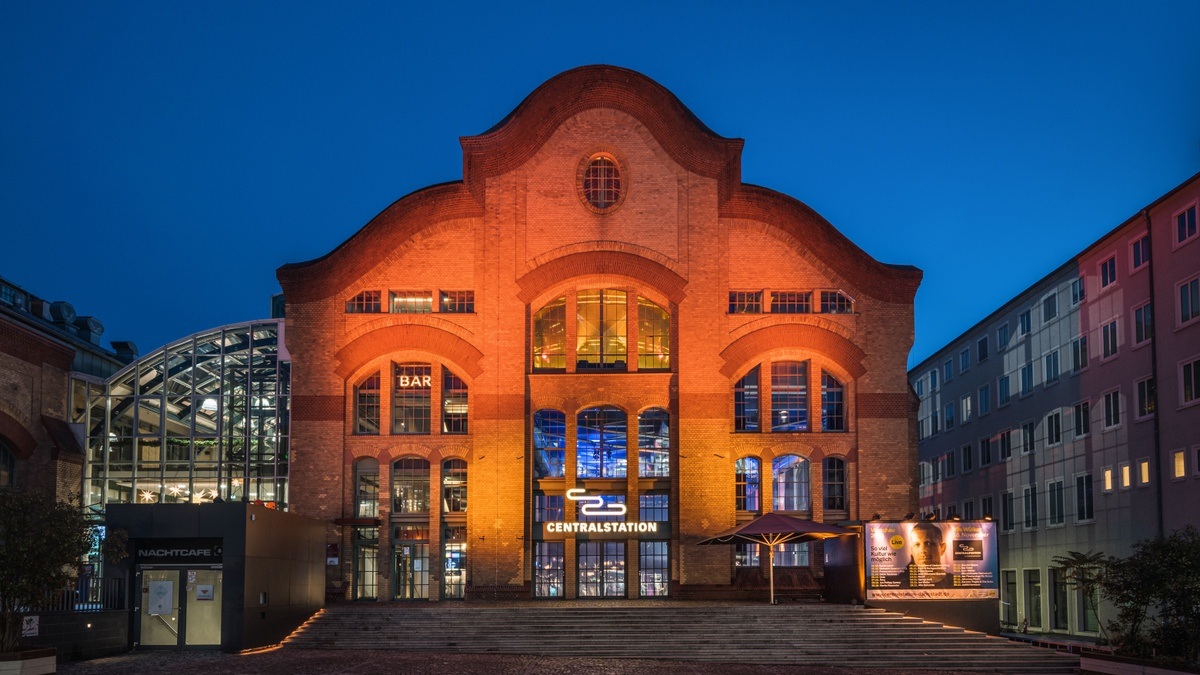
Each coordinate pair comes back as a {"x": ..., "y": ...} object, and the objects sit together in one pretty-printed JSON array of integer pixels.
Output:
[{"x": 42, "y": 543}]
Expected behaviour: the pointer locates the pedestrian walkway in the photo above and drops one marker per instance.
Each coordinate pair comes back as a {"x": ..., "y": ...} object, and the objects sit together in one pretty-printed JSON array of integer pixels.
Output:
[{"x": 814, "y": 635}]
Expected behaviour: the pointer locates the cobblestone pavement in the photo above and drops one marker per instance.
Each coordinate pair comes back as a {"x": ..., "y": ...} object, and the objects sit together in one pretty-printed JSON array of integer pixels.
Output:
[{"x": 314, "y": 662}]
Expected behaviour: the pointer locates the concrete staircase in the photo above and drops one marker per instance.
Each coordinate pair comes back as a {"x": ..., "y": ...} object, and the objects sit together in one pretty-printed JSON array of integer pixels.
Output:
[{"x": 799, "y": 634}]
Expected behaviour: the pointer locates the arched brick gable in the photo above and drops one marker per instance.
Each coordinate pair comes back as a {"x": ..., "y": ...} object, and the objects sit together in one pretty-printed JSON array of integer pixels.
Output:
[
  {"x": 620, "y": 263},
  {"x": 19, "y": 439},
  {"x": 409, "y": 337},
  {"x": 329, "y": 274},
  {"x": 835, "y": 347},
  {"x": 890, "y": 283},
  {"x": 515, "y": 139}
]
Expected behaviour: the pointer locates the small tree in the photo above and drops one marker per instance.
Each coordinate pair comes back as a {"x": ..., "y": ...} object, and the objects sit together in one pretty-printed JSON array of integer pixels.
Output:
[
  {"x": 1156, "y": 591},
  {"x": 1084, "y": 572},
  {"x": 42, "y": 542}
]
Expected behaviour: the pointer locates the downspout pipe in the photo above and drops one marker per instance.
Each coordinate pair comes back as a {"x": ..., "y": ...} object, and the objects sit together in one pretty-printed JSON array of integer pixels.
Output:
[{"x": 1160, "y": 465}]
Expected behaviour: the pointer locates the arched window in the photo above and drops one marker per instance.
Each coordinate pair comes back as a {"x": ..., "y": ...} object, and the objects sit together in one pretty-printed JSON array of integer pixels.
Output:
[
  {"x": 833, "y": 404},
  {"x": 8, "y": 465},
  {"x": 410, "y": 485},
  {"x": 835, "y": 484},
  {"x": 746, "y": 480},
  {"x": 411, "y": 392},
  {"x": 366, "y": 405},
  {"x": 454, "y": 486},
  {"x": 549, "y": 443},
  {"x": 654, "y": 336},
  {"x": 602, "y": 182},
  {"x": 745, "y": 402},
  {"x": 789, "y": 396},
  {"x": 600, "y": 338},
  {"x": 550, "y": 336},
  {"x": 791, "y": 483},
  {"x": 654, "y": 444},
  {"x": 600, "y": 443},
  {"x": 454, "y": 403},
  {"x": 366, "y": 488}
]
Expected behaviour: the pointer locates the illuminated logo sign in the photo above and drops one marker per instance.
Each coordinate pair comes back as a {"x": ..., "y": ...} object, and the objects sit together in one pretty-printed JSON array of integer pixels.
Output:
[
  {"x": 413, "y": 380},
  {"x": 593, "y": 505}
]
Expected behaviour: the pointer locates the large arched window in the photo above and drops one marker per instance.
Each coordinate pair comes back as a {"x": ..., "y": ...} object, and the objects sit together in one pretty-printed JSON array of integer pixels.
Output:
[
  {"x": 549, "y": 443},
  {"x": 789, "y": 396},
  {"x": 366, "y": 405},
  {"x": 833, "y": 404},
  {"x": 410, "y": 485},
  {"x": 600, "y": 443},
  {"x": 366, "y": 488},
  {"x": 454, "y": 486},
  {"x": 746, "y": 480},
  {"x": 8, "y": 465},
  {"x": 835, "y": 484},
  {"x": 454, "y": 403},
  {"x": 550, "y": 335},
  {"x": 411, "y": 393},
  {"x": 654, "y": 336},
  {"x": 600, "y": 341},
  {"x": 745, "y": 402},
  {"x": 654, "y": 444},
  {"x": 791, "y": 484}
]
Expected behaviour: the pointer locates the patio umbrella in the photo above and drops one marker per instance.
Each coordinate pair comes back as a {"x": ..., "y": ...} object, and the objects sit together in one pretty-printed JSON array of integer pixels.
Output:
[{"x": 773, "y": 529}]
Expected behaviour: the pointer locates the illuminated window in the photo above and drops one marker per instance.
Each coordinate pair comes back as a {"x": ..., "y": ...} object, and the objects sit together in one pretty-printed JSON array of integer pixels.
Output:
[
  {"x": 745, "y": 555},
  {"x": 602, "y": 182},
  {"x": 1178, "y": 464},
  {"x": 654, "y": 444},
  {"x": 548, "y": 508},
  {"x": 791, "y": 302},
  {"x": 550, "y": 335},
  {"x": 791, "y": 555},
  {"x": 367, "y": 302},
  {"x": 411, "y": 396},
  {"x": 653, "y": 569},
  {"x": 1145, "y": 397},
  {"x": 789, "y": 396},
  {"x": 454, "y": 486},
  {"x": 600, "y": 336},
  {"x": 654, "y": 507},
  {"x": 411, "y": 302},
  {"x": 549, "y": 443},
  {"x": 454, "y": 403},
  {"x": 745, "y": 402},
  {"x": 366, "y": 488},
  {"x": 549, "y": 569},
  {"x": 1126, "y": 475},
  {"x": 410, "y": 485},
  {"x": 654, "y": 336},
  {"x": 600, "y": 443},
  {"x": 1143, "y": 466},
  {"x": 366, "y": 405},
  {"x": 746, "y": 477},
  {"x": 1108, "y": 479},
  {"x": 791, "y": 483}
]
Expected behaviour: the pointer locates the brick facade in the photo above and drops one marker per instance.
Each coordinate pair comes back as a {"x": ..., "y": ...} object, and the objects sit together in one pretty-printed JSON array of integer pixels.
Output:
[{"x": 518, "y": 233}]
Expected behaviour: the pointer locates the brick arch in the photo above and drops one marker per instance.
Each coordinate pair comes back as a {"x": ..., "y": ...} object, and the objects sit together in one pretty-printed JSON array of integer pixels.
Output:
[
  {"x": 751, "y": 346},
  {"x": 20, "y": 441},
  {"x": 516, "y": 138},
  {"x": 446, "y": 345},
  {"x": 619, "y": 263}
]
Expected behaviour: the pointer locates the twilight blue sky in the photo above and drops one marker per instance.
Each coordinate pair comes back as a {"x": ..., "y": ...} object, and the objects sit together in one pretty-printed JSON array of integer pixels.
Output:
[{"x": 159, "y": 160}]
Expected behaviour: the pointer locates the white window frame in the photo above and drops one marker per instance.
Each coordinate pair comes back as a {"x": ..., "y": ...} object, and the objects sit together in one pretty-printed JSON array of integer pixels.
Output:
[
  {"x": 1049, "y": 357},
  {"x": 1105, "y": 355},
  {"x": 1075, "y": 417},
  {"x": 1053, "y": 422},
  {"x": 966, "y": 409},
  {"x": 1192, "y": 362},
  {"x": 1107, "y": 267},
  {"x": 1133, "y": 246},
  {"x": 1178, "y": 302},
  {"x": 1052, "y": 299},
  {"x": 1080, "y": 351},
  {"x": 1176, "y": 242},
  {"x": 1092, "y": 501},
  {"x": 1137, "y": 325},
  {"x": 1062, "y": 505},
  {"x": 1078, "y": 291},
  {"x": 1137, "y": 394},
  {"x": 1109, "y": 397}
]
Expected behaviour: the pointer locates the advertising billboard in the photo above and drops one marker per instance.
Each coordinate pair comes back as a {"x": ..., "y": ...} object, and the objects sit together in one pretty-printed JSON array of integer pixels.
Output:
[{"x": 932, "y": 561}]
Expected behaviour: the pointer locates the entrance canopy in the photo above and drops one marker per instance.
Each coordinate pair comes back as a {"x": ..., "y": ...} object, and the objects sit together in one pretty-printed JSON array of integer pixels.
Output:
[{"x": 774, "y": 529}]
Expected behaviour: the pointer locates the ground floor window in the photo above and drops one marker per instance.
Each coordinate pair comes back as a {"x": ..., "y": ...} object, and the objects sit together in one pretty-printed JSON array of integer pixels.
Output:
[
  {"x": 366, "y": 563},
  {"x": 653, "y": 572},
  {"x": 1059, "y": 608},
  {"x": 549, "y": 569},
  {"x": 791, "y": 555},
  {"x": 1087, "y": 612},
  {"x": 454, "y": 557},
  {"x": 745, "y": 555},
  {"x": 1008, "y": 598},
  {"x": 601, "y": 569},
  {"x": 1033, "y": 598}
]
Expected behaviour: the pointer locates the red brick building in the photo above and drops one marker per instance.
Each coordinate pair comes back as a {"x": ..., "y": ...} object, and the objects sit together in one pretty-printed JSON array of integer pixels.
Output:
[{"x": 600, "y": 317}]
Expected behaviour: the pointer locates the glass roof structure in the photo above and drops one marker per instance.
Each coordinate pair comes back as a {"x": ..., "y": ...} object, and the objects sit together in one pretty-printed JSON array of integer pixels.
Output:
[{"x": 202, "y": 419}]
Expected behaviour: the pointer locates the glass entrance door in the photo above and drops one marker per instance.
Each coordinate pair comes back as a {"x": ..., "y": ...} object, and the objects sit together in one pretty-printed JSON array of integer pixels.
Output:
[
  {"x": 412, "y": 570},
  {"x": 159, "y": 618},
  {"x": 180, "y": 608},
  {"x": 600, "y": 569}
]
